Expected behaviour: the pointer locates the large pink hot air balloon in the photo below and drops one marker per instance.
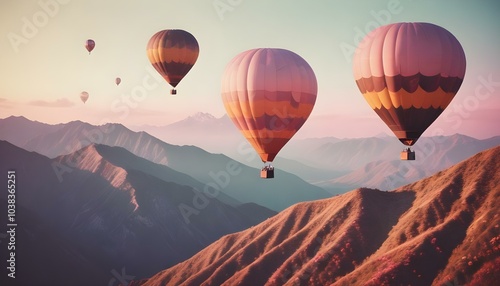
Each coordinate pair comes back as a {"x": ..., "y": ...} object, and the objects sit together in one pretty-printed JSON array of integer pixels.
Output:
[
  {"x": 268, "y": 94},
  {"x": 408, "y": 74}
]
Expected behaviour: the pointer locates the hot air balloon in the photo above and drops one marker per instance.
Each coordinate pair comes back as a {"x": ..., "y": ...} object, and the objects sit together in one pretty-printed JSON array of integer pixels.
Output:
[
  {"x": 118, "y": 80},
  {"x": 172, "y": 53},
  {"x": 408, "y": 74},
  {"x": 89, "y": 45},
  {"x": 84, "y": 96},
  {"x": 268, "y": 94}
]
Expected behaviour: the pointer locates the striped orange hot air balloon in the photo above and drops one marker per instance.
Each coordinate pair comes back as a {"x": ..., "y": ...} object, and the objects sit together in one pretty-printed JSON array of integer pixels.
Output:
[
  {"x": 268, "y": 94},
  {"x": 409, "y": 73},
  {"x": 173, "y": 53}
]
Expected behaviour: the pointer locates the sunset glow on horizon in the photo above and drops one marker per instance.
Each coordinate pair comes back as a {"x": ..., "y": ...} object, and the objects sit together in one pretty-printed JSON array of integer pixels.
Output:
[{"x": 45, "y": 65}]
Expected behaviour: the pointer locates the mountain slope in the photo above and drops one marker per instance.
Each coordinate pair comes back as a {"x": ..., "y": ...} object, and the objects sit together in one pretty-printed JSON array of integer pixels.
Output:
[
  {"x": 442, "y": 229},
  {"x": 57, "y": 260},
  {"x": 43, "y": 255},
  {"x": 120, "y": 157},
  {"x": 181, "y": 219},
  {"x": 118, "y": 210},
  {"x": 451, "y": 232}
]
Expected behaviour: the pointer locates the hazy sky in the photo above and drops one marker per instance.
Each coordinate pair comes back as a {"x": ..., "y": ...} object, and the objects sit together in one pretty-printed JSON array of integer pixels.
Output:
[{"x": 44, "y": 65}]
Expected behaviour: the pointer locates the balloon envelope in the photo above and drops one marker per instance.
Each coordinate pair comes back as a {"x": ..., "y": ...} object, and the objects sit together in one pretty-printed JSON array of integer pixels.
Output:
[
  {"x": 118, "y": 80},
  {"x": 408, "y": 74},
  {"x": 84, "y": 96},
  {"x": 89, "y": 45},
  {"x": 173, "y": 53},
  {"x": 268, "y": 94}
]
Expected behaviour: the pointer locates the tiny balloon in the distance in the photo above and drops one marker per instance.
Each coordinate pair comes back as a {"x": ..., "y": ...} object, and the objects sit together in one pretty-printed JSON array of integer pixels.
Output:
[
  {"x": 89, "y": 45},
  {"x": 84, "y": 96}
]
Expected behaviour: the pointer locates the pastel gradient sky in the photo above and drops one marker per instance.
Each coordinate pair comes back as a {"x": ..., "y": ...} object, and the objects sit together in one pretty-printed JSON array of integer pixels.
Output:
[{"x": 44, "y": 65}]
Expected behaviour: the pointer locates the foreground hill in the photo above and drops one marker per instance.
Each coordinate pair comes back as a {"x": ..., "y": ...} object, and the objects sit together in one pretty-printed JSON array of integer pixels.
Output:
[
  {"x": 442, "y": 229},
  {"x": 112, "y": 210}
]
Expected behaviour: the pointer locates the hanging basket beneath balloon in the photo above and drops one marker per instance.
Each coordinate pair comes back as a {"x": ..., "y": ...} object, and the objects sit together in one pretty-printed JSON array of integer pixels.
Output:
[
  {"x": 407, "y": 154},
  {"x": 267, "y": 172}
]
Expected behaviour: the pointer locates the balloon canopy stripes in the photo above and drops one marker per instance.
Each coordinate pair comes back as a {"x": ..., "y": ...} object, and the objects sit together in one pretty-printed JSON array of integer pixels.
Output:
[
  {"x": 268, "y": 94},
  {"x": 409, "y": 73},
  {"x": 173, "y": 53}
]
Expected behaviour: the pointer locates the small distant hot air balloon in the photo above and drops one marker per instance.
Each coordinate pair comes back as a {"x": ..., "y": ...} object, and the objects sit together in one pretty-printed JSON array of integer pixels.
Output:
[
  {"x": 89, "y": 45},
  {"x": 408, "y": 74},
  {"x": 84, "y": 96},
  {"x": 118, "y": 80},
  {"x": 173, "y": 53},
  {"x": 268, "y": 94}
]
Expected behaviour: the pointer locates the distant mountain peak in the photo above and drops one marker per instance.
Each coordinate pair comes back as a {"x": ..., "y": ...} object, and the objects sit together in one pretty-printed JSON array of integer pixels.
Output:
[
  {"x": 20, "y": 119},
  {"x": 17, "y": 117},
  {"x": 382, "y": 135},
  {"x": 201, "y": 117}
]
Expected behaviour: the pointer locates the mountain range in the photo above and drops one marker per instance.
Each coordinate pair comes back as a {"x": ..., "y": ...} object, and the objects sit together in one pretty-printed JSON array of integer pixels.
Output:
[
  {"x": 381, "y": 167},
  {"x": 100, "y": 201},
  {"x": 214, "y": 171},
  {"x": 112, "y": 210},
  {"x": 334, "y": 164},
  {"x": 442, "y": 230}
]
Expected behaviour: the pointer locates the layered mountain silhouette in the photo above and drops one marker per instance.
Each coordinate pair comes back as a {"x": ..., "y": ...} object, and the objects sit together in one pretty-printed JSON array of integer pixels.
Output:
[
  {"x": 104, "y": 200},
  {"x": 441, "y": 230},
  {"x": 375, "y": 166},
  {"x": 18, "y": 130},
  {"x": 335, "y": 164},
  {"x": 112, "y": 210},
  {"x": 231, "y": 177}
]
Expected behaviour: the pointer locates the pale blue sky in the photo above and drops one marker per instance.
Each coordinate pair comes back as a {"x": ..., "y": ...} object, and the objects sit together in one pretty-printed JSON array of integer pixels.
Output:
[{"x": 45, "y": 69}]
